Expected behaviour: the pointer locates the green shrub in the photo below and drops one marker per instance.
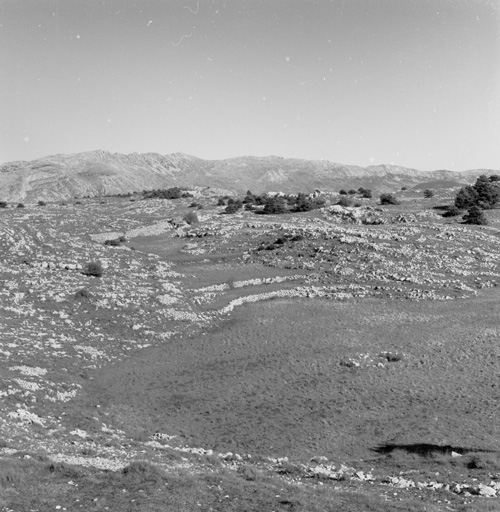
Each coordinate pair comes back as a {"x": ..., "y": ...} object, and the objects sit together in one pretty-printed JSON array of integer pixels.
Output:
[
  {"x": 3, "y": 204},
  {"x": 485, "y": 194},
  {"x": 387, "y": 198},
  {"x": 452, "y": 211},
  {"x": 41, "y": 203},
  {"x": 231, "y": 208},
  {"x": 20, "y": 205},
  {"x": 475, "y": 216},
  {"x": 93, "y": 268},
  {"x": 343, "y": 201},
  {"x": 275, "y": 206},
  {"x": 114, "y": 242},
  {"x": 343, "y": 192},
  {"x": 428, "y": 193}
]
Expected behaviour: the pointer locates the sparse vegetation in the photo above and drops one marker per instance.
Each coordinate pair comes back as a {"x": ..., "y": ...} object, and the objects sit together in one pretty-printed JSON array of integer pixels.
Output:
[
  {"x": 3, "y": 204},
  {"x": 185, "y": 334},
  {"x": 428, "y": 193}
]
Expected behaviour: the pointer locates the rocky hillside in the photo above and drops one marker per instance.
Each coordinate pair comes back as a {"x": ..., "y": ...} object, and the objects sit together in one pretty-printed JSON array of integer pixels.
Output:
[{"x": 95, "y": 173}]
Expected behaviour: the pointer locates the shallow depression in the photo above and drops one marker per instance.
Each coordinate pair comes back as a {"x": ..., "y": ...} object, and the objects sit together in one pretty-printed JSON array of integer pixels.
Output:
[{"x": 274, "y": 379}]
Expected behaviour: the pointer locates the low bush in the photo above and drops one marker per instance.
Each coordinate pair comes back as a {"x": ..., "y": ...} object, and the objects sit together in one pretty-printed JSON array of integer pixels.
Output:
[
  {"x": 343, "y": 201},
  {"x": 387, "y": 198},
  {"x": 476, "y": 216},
  {"x": 42, "y": 203},
  {"x": 114, "y": 242},
  {"x": 20, "y": 205},
  {"x": 452, "y": 211},
  {"x": 93, "y": 268},
  {"x": 3, "y": 204}
]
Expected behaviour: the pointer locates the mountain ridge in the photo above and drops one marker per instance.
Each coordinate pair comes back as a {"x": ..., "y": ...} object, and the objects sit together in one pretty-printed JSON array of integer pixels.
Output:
[{"x": 100, "y": 172}]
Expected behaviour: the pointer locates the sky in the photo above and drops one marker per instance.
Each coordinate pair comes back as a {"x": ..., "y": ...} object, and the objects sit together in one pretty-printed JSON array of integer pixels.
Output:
[{"x": 363, "y": 82}]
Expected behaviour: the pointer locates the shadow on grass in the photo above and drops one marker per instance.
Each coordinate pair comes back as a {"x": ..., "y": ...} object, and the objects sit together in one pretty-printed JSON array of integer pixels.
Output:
[{"x": 427, "y": 449}]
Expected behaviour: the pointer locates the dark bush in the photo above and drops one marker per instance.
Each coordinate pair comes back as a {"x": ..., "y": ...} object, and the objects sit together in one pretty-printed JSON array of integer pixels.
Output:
[
  {"x": 404, "y": 188},
  {"x": 3, "y": 204},
  {"x": 466, "y": 197},
  {"x": 387, "y": 198},
  {"x": 485, "y": 194},
  {"x": 232, "y": 208},
  {"x": 41, "y": 203},
  {"x": 343, "y": 192},
  {"x": 115, "y": 242},
  {"x": 452, "y": 211},
  {"x": 122, "y": 239},
  {"x": 221, "y": 202},
  {"x": 305, "y": 203},
  {"x": 169, "y": 193},
  {"x": 343, "y": 201},
  {"x": 428, "y": 193},
  {"x": 275, "y": 206},
  {"x": 475, "y": 216},
  {"x": 352, "y": 192},
  {"x": 93, "y": 268},
  {"x": 367, "y": 193},
  {"x": 20, "y": 205}
]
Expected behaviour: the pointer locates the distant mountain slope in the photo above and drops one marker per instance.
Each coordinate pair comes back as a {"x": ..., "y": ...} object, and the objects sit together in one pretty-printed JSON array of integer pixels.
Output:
[{"x": 99, "y": 172}]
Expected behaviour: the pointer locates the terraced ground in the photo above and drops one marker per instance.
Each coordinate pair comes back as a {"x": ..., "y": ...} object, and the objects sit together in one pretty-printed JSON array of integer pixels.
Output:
[{"x": 365, "y": 354}]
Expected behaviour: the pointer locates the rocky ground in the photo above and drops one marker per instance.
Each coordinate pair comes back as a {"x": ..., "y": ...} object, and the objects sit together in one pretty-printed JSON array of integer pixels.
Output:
[{"x": 354, "y": 346}]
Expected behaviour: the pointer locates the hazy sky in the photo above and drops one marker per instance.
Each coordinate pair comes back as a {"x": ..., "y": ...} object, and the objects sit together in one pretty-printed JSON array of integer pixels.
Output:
[{"x": 409, "y": 82}]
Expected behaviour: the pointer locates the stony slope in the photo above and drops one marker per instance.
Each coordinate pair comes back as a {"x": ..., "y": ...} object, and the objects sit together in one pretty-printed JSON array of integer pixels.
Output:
[{"x": 99, "y": 172}]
